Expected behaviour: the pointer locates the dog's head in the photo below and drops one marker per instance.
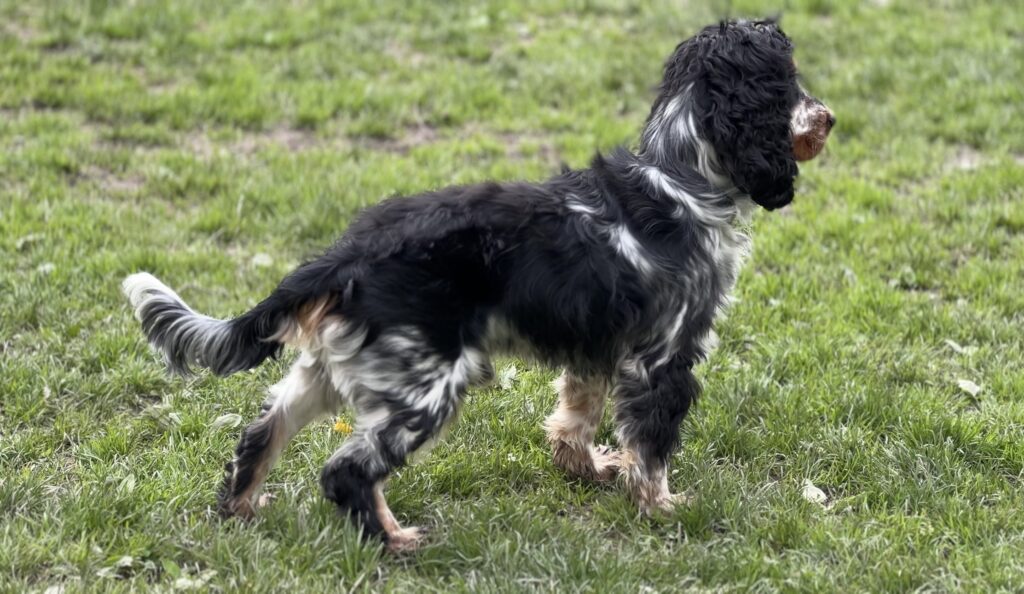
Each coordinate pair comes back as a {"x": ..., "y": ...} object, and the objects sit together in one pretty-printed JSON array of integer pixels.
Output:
[{"x": 730, "y": 106}]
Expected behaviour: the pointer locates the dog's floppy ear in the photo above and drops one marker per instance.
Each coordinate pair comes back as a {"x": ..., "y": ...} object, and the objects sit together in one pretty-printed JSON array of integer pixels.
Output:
[
  {"x": 756, "y": 151},
  {"x": 746, "y": 101}
]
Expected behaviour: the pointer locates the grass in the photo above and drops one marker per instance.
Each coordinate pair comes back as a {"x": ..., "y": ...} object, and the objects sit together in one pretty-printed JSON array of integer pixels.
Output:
[{"x": 218, "y": 144}]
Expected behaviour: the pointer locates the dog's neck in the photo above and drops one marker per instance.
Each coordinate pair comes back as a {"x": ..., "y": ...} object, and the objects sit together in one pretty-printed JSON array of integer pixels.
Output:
[
  {"x": 671, "y": 192},
  {"x": 670, "y": 143}
]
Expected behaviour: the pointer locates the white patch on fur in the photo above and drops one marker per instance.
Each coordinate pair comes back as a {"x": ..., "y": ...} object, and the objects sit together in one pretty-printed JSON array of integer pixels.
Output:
[
  {"x": 402, "y": 366},
  {"x": 728, "y": 245},
  {"x": 399, "y": 364},
  {"x": 705, "y": 211},
  {"x": 302, "y": 396},
  {"x": 653, "y": 133},
  {"x": 373, "y": 417},
  {"x": 204, "y": 335},
  {"x": 143, "y": 286},
  {"x": 579, "y": 409},
  {"x": 629, "y": 248},
  {"x": 730, "y": 253},
  {"x": 801, "y": 120},
  {"x": 340, "y": 341},
  {"x": 633, "y": 366},
  {"x": 707, "y": 161},
  {"x": 676, "y": 117},
  {"x": 573, "y": 203},
  {"x": 671, "y": 336},
  {"x": 618, "y": 235},
  {"x": 804, "y": 115}
]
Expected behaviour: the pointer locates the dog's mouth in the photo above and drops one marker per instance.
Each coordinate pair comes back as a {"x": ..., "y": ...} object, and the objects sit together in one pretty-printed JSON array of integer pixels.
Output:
[{"x": 811, "y": 124}]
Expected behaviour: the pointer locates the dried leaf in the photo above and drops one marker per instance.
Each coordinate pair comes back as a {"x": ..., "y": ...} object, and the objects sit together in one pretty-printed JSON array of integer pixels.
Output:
[
  {"x": 125, "y": 561},
  {"x": 507, "y": 377},
  {"x": 814, "y": 494},
  {"x": 968, "y": 386},
  {"x": 108, "y": 573},
  {"x": 184, "y": 583},
  {"x": 127, "y": 484},
  {"x": 262, "y": 261},
  {"x": 27, "y": 240},
  {"x": 960, "y": 350},
  {"x": 228, "y": 420}
]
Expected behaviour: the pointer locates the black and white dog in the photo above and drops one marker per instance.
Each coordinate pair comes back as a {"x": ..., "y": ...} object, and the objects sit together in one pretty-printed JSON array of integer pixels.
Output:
[{"x": 614, "y": 273}]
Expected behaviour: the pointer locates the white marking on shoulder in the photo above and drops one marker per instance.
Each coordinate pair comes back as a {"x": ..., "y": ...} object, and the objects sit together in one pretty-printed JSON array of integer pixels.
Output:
[
  {"x": 629, "y": 248},
  {"x": 575, "y": 204},
  {"x": 687, "y": 202}
]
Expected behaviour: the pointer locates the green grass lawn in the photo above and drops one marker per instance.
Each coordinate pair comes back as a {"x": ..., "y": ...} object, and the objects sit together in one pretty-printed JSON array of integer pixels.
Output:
[{"x": 219, "y": 144}]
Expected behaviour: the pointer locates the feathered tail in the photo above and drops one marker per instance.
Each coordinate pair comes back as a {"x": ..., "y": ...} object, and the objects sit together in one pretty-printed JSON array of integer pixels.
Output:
[{"x": 188, "y": 339}]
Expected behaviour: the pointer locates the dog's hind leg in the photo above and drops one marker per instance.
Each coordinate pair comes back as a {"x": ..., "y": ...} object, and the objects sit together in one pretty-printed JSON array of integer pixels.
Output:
[
  {"x": 302, "y": 396},
  {"x": 571, "y": 429},
  {"x": 385, "y": 437},
  {"x": 406, "y": 394},
  {"x": 404, "y": 391},
  {"x": 650, "y": 403}
]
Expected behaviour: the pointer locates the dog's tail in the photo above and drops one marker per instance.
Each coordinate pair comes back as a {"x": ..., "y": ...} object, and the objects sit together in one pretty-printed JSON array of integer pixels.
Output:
[{"x": 188, "y": 339}]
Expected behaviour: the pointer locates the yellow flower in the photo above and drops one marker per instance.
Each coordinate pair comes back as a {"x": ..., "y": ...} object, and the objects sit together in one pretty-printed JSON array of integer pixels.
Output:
[{"x": 342, "y": 426}]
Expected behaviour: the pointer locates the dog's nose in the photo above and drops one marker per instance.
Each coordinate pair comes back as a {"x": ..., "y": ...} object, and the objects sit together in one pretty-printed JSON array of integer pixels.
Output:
[{"x": 830, "y": 121}]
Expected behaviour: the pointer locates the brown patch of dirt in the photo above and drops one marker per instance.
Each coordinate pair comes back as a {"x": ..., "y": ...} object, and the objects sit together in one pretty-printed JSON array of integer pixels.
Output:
[
  {"x": 299, "y": 140},
  {"x": 111, "y": 182},
  {"x": 403, "y": 53},
  {"x": 546, "y": 150},
  {"x": 249, "y": 143},
  {"x": 966, "y": 158},
  {"x": 412, "y": 137},
  {"x": 207, "y": 144},
  {"x": 292, "y": 139},
  {"x": 19, "y": 31}
]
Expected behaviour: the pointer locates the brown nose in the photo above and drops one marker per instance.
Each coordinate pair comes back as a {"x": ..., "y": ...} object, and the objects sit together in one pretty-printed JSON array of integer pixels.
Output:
[{"x": 830, "y": 121}]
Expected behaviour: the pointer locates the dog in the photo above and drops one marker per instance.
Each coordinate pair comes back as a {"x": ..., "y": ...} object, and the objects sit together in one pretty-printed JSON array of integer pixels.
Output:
[{"x": 613, "y": 273}]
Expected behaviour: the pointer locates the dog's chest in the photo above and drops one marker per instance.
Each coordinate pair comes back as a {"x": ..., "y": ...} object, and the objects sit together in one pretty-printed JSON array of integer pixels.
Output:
[
  {"x": 731, "y": 250},
  {"x": 688, "y": 317}
]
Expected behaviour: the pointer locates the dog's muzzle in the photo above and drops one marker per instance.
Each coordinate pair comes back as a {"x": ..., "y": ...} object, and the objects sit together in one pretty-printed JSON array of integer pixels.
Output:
[{"x": 812, "y": 121}]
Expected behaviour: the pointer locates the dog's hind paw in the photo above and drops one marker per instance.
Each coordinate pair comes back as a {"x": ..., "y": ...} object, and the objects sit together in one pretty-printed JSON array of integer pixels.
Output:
[
  {"x": 599, "y": 464},
  {"x": 606, "y": 463}
]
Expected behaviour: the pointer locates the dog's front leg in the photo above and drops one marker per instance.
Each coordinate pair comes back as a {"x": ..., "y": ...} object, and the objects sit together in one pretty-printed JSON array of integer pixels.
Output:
[
  {"x": 571, "y": 428},
  {"x": 652, "y": 397}
]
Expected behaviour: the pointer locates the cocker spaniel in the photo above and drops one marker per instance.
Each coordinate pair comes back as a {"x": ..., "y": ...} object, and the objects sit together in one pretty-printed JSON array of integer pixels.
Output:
[{"x": 614, "y": 273}]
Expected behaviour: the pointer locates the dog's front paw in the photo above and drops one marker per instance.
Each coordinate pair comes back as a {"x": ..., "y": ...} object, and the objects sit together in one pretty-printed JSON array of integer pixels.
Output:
[
  {"x": 599, "y": 464},
  {"x": 664, "y": 503},
  {"x": 405, "y": 540}
]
